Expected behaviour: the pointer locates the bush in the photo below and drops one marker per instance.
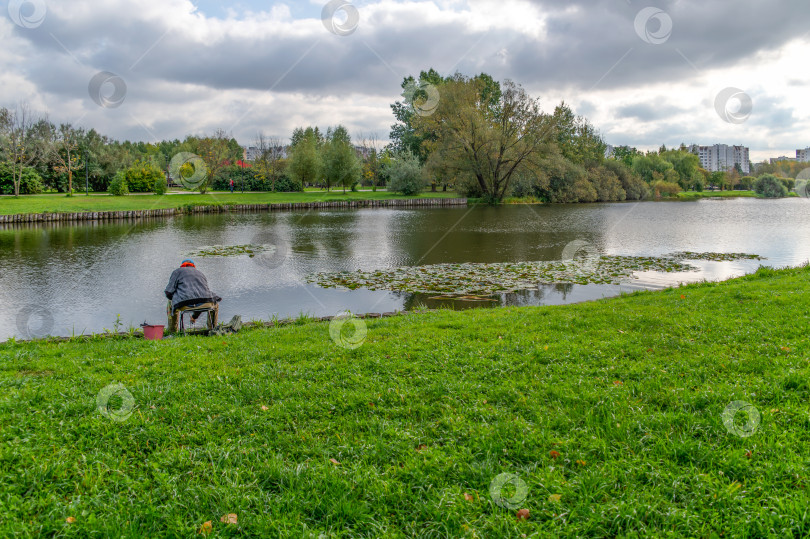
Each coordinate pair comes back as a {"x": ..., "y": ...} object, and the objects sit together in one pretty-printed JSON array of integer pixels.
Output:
[
  {"x": 790, "y": 183},
  {"x": 769, "y": 186},
  {"x": 607, "y": 185},
  {"x": 406, "y": 175},
  {"x": 118, "y": 186},
  {"x": 747, "y": 183},
  {"x": 30, "y": 183},
  {"x": 634, "y": 187},
  {"x": 142, "y": 177},
  {"x": 287, "y": 184},
  {"x": 160, "y": 186},
  {"x": 662, "y": 188}
]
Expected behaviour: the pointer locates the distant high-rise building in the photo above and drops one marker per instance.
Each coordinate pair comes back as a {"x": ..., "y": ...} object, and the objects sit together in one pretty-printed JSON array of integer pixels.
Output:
[
  {"x": 609, "y": 148},
  {"x": 803, "y": 155},
  {"x": 252, "y": 153},
  {"x": 722, "y": 157},
  {"x": 775, "y": 160}
]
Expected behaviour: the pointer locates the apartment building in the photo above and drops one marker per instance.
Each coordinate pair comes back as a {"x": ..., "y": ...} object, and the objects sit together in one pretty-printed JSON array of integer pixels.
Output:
[{"x": 722, "y": 157}]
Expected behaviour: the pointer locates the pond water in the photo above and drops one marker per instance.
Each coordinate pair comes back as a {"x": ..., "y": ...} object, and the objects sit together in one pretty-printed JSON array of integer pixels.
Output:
[{"x": 73, "y": 279}]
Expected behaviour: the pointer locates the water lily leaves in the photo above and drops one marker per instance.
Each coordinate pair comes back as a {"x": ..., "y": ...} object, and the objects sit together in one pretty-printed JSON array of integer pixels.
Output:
[{"x": 476, "y": 281}]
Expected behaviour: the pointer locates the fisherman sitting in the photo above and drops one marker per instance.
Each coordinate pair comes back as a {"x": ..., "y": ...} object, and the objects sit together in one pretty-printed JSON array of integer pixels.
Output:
[{"x": 188, "y": 288}]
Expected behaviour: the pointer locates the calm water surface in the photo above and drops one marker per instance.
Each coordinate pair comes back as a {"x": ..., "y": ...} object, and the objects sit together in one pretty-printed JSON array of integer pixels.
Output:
[{"x": 83, "y": 276}]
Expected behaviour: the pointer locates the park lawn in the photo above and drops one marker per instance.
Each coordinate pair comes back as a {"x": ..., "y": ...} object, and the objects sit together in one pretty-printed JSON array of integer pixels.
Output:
[
  {"x": 93, "y": 203},
  {"x": 692, "y": 195},
  {"x": 609, "y": 411}
]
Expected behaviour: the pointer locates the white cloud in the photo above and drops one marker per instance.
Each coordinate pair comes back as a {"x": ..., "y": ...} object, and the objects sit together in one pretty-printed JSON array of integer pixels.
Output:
[{"x": 276, "y": 66}]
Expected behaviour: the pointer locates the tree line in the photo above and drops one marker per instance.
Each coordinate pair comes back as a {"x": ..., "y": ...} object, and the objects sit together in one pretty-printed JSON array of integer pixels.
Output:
[
  {"x": 491, "y": 140},
  {"x": 38, "y": 156},
  {"x": 483, "y": 138}
]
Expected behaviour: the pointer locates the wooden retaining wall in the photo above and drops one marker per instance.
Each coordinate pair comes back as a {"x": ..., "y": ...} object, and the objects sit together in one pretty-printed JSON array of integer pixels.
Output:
[{"x": 168, "y": 212}]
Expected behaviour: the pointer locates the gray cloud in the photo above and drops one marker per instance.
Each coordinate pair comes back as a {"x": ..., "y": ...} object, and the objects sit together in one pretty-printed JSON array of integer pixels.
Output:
[{"x": 584, "y": 46}]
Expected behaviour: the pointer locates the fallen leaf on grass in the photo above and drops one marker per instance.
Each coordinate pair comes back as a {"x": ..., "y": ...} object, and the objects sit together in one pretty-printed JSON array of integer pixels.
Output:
[
  {"x": 683, "y": 297},
  {"x": 206, "y": 528},
  {"x": 618, "y": 383},
  {"x": 468, "y": 497},
  {"x": 264, "y": 408},
  {"x": 333, "y": 461},
  {"x": 554, "y": 497},
  {"x": 523, "y": 514},
  {"x": 421, "y": 447},
  {"x": 581, "y": 462},
  {"x": 70, "y": 520},
  {"x": 554, "y": 454},
  {"x": 748, "y": 454},
  {"x": 230, "y": 518}
]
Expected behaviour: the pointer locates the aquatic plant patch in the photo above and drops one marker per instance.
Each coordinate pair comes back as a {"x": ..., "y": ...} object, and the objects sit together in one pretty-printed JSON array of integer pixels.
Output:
[
  {"x": 476, "y": 279},
  {"x": 230, "y": 250}
]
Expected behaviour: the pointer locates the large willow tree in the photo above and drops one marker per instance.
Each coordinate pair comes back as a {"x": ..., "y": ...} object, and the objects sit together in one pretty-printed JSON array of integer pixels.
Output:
[{"x": 488, "y": 142}]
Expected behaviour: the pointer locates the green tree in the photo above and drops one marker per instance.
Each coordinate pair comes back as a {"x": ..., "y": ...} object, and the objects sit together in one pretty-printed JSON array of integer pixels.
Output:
[
  {"x": 625, "y": 154},
  {"x": 487, "y": 143},
  {"x": 576, "y": 138},
  {"x": 305, "y": 163},
  {"x": 16, "y": 129},
  {"x": 686, "y": 164},
  {"x": 406, "y": 175},
  {"x": 634, "y": 187},
  {"x": 341, "y": 166},
  {"x": 647, "y": 166},
  {"x": 65, "y": 149},
  {"x": 420, "y": 98},
  {"x": 607, "y": 185},
  {"x": 217, "y": 151},
  {"x": 770, "y": 186}
]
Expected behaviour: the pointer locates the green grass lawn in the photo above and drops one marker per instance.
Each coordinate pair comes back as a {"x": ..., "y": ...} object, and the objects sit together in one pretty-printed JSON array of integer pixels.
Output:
[
  {"x": 103, "y": 202},
  {"x": 609, "y": 412},
  {"x": 691, "y": 195}
]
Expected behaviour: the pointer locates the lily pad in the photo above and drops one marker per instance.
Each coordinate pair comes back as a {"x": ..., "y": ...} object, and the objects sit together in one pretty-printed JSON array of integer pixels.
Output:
[{"x": 476, "y": 281}]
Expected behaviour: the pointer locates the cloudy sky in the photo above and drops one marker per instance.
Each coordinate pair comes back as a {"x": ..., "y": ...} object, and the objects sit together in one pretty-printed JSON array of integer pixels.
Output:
[{"x": 645, "y": 72}]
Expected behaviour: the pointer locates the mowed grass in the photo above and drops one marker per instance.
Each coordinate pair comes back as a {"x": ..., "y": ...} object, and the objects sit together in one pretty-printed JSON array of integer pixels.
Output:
[
  {"x": 609, "y": 411},
  {"x": 81, "y": 202}
]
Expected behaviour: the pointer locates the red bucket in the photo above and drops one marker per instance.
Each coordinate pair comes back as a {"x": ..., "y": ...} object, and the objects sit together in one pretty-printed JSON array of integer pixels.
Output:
[{"x": 153, "y": 333}]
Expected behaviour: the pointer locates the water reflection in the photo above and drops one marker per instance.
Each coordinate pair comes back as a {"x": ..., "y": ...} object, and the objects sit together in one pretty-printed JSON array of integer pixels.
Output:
[{"x": 87, "y": 274}]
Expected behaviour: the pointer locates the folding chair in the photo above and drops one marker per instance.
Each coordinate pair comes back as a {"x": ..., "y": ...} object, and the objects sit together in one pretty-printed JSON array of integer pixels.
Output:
[{"x": 211, "y": 310}]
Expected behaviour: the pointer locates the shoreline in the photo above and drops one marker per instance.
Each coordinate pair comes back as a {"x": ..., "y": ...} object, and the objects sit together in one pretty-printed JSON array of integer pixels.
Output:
[{"x": 47, "y": 217}]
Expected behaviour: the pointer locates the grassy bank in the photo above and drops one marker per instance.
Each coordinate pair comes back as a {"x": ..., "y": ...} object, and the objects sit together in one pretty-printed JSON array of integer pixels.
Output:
[
  {"x": 94, "y": 203},
  {"x": 610, "y": 412},
  {"x": 693, "y": 195}
]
